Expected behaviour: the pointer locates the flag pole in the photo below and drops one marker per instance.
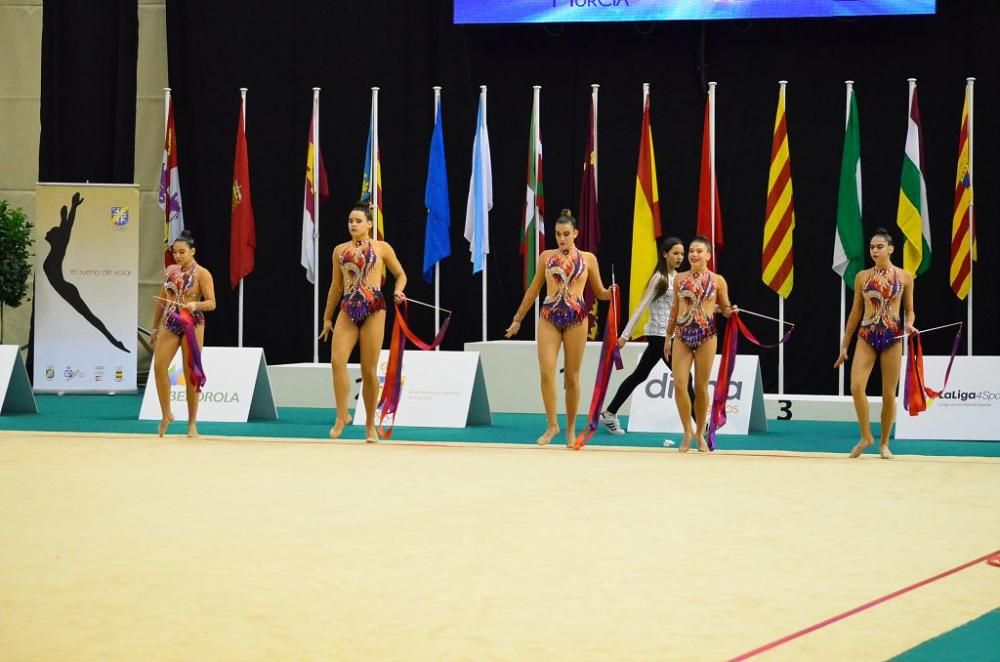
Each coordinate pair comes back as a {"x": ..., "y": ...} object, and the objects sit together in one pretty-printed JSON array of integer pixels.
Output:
[
  {"x": 437, "y": 265},
  {"x": 315, "y": 170},
  {"x": 969, "y": 82},
  {"x": 166, "y": 107},
  {"x": 711, "y": 161},
  {"x": 482, "y": 100},
  {"x": 843, "y": 285},
  {"x": 376, "y": 166},
  {"x": 166, "y": 203},
  {"x": 781, "y": 300},
  {"x": 537, "y": 102},
  {"x": 243, "y": 114}
]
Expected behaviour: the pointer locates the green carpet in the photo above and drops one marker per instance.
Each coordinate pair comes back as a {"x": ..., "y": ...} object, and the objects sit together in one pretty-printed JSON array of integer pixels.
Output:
[
  {"x": 118, "y": 414},
  {"x": 976, "y": 641}
]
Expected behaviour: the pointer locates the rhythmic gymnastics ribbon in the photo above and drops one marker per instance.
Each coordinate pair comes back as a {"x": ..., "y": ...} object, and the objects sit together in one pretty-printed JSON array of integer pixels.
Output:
[
  {"x": 193, "y": 371},
  {"x": 734, "y": 327},
  {"x": 392, "y": 388},
  {"x": 915, "y": 390},
  {"x": 610, "y": 355}
]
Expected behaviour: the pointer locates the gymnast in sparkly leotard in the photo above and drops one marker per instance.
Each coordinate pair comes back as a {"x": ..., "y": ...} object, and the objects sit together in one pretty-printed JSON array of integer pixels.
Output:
[
  {"x": 883, "y": 305},
  {"x": 692, "y": 327},
  {"x": 179, "y": 322},
  {"x": 565, "y": 272},
  {"x": 359, "y": 267}
]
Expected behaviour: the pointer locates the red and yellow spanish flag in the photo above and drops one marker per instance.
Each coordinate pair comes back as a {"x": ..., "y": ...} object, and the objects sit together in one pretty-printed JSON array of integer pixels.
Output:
[
  {"x": 242, "y": 230},
  {"x": 646, "y": 226},
  {"x": 777, "y": 266},
  {"x": 963, "y": 237}
]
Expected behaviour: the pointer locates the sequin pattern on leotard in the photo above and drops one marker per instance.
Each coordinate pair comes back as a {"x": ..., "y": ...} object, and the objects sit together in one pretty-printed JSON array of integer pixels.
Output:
[
  {"x": 179, "y": 285},
  {"x": 360, "y": 299},
  {"x": 880, "y": 290},
  {"x": 695, "y": 325},
  {"x": 564, "y": 309}
]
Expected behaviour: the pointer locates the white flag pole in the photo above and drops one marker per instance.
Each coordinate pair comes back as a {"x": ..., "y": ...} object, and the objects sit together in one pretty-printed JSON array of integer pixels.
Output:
[
  {"x": 437, "y": 265},
  {"x": 843, "y": 286},
  {"x": 166, "y": 108},
  {"x": 316, "y": 184},
  {"x": 912, "y": 83},
  {"x": 376, "y": 167},
  {"x": 239, "y": 334},
  {"x": 482, "y": 101},
  {"x": 781, "y": 300},
  {"x": 537, "y": 103},
  {"x": 711, "y": 161},
  {"x": 969, "y": 82}
]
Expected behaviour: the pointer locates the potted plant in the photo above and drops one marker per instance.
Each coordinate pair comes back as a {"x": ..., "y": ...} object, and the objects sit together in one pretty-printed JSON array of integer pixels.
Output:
[{"x": 15, "y": 241}]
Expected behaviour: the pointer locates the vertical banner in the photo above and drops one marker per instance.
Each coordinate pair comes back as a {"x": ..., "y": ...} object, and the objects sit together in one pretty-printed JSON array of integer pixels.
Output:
[{"x": 86, "y": 287}]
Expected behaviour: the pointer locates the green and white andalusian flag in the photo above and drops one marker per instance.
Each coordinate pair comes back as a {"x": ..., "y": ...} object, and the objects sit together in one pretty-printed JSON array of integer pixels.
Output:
[
  {"x": 912, "y": 217},
  {"x": 849, "y": 242}
]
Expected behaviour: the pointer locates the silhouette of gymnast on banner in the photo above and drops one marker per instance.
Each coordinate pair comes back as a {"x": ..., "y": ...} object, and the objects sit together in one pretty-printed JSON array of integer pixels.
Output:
[{"x": 58, "y": 237}]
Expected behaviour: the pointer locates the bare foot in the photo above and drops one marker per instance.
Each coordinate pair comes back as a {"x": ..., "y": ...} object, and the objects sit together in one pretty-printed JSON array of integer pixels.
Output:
[
  {"x": 884, "y": 451},
  {"x": 338, "y": 428},
  {"x": 161, "y": 429},
  {"x": 702, "y": 444},
  {"x": 571, "y": 439},
  {"x": 371, "y": 435},
  {"x": 546, "y": 438},
  {"x": 192, "y": 430},
  {"x": 685, "y": 443},
  {"x": 860, "y": 447}
]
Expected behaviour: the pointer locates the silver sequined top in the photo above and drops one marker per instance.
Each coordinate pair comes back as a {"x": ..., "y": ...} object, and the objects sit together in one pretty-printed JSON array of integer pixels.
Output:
[{"x": 659, "y": 308}]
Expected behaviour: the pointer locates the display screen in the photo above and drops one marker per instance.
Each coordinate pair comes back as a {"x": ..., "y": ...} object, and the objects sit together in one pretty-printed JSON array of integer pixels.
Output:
[{"x": 611, "y": 11}]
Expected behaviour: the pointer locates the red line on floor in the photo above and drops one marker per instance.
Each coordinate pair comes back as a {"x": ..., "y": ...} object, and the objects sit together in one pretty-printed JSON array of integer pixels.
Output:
[{"x": 851, "y": 612}]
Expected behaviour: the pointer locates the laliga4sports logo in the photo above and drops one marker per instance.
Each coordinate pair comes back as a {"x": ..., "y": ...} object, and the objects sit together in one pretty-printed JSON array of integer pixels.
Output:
[{"x": 964, "y": 396}]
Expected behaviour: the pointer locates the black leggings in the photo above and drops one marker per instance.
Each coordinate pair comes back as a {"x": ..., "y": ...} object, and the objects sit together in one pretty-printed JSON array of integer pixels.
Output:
[{"x": 648, "y": 360}]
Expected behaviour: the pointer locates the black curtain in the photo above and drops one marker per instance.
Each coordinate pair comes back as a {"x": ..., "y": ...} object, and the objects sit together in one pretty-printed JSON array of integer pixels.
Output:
[
  {"x": 280, "y": 53},
  {"x": 88, "y": 91},
  {"x": 88, "y": 96}
]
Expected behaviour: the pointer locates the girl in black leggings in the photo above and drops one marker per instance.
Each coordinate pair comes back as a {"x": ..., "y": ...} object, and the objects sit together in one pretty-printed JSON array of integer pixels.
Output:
[{"x": 658, "y": 297}]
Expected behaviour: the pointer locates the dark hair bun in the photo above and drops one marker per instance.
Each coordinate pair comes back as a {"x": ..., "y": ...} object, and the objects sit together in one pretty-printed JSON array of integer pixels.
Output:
[{"x": 566, "y": 212}]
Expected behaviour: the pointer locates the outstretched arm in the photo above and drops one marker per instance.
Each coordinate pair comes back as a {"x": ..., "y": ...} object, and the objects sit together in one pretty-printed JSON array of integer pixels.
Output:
[
  {"x": 910, "y": 315},
  {"x": 647, "y": 297},
  {"x": 396, "y": 269},
  {"x": 529, "y": 297},
  {"x": 722, "y": 296},
  {"x": 594, "y": 278}
]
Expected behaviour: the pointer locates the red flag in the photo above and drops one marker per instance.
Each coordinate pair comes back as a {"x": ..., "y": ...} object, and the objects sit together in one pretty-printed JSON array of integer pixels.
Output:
[
  {"x": 708, "y": 187},
  {"x": 242, "y": 234}
]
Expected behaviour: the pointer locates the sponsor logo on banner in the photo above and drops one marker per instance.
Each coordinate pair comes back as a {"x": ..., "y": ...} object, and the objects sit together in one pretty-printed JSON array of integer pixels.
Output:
[
  {"x": 119, "y": 217},
  {"x": 71, "y": 373},
  {"x": 50, "y": 373},
  {"x": 663, "y": 388},
  {"x": 968, "y": 409},
  {"x": 119, "y": 374}
]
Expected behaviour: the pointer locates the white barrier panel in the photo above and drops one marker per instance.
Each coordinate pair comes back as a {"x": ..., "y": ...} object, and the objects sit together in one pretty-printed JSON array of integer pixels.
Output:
[
  {"x": 969, "y": 408},
  {"x": 236, "y": 388},
  {"x": 440, "y": 390},
  {"x": 511, "y": 370},
  {"x": 15, "y": 390},
  {"x": 654, "y": 408},
  {"x": 86, "y": 287}
]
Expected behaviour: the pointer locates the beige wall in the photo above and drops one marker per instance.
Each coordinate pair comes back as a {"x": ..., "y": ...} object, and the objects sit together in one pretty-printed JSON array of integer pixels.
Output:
[
  {"x": 20, "y": 94},
  {"x": 20, "y": 89},
  {"x": 151, "y": 78}
]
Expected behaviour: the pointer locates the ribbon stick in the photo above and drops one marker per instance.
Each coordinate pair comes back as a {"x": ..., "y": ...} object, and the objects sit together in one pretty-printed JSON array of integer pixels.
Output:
[
  {"x": 610, "y": 355},
  {"x": 392, "y": 389},
  {"x": 734, "y": 327},
  {"x": 915, "y": 390}
]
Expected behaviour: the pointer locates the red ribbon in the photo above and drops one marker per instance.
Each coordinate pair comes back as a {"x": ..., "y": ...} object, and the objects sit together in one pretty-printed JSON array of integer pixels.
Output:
[
  {"x": 726, "y": 364},
  {"x": 194, "y": 373},
  {"x": 610, "y": 354},
  {"x": 915, "y": 391},
  {"x": 392, "y": 389}
]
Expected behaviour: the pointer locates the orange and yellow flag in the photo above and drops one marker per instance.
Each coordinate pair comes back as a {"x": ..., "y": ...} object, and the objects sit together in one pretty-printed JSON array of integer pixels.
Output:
[{"x": 777, "y": 266}]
